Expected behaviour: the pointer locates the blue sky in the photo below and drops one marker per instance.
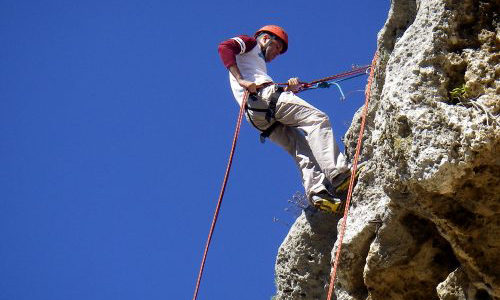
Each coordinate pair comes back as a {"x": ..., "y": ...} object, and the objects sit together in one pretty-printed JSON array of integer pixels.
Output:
[{"x": 116, "y": 119}]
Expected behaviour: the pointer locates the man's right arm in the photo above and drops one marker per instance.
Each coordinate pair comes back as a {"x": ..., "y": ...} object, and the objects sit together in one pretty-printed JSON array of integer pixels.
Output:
[
  {"x": 248, "y": 85},
  {"x": 228, "y": 51}
]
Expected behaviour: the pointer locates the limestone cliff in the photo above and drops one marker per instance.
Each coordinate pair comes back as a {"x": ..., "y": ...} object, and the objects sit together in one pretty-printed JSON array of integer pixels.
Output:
[{"x": 424, "y": 222}]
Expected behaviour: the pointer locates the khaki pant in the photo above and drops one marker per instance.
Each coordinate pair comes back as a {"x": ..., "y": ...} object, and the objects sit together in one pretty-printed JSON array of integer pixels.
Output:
[{"x": 305, "y": 132}]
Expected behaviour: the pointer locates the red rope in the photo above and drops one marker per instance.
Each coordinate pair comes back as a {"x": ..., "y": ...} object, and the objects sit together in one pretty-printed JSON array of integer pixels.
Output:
[
  {"x": 341, "y": 75},
  {"x": 355, "y": 71},
  {"x": 221, "y": 194},
  {"x": 353, "y": 174}
]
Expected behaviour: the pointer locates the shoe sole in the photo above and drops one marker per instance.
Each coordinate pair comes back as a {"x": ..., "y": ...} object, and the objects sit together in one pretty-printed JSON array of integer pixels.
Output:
[{"x": 329, "y": 207}]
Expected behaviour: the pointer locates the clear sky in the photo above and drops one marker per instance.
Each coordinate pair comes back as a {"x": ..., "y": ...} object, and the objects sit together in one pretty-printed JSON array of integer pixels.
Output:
[{"x": 116, "y": 120}]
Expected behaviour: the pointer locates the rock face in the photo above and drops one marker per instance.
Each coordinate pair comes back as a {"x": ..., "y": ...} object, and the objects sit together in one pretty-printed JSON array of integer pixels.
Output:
[
  {"x": 303, "y": 264},
  {"x": 425, "y": 218}
]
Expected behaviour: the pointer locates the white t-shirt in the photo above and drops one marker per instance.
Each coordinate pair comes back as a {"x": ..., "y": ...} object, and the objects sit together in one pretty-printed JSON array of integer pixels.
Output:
[{"x": 252, "y": 67}]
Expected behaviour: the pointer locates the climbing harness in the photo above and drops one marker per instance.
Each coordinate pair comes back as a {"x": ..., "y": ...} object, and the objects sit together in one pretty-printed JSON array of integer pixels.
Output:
[
  {"x": 270, "y": 112},
  {"x": 221, "y": 194},
  {"x": 353, "y": 174}
]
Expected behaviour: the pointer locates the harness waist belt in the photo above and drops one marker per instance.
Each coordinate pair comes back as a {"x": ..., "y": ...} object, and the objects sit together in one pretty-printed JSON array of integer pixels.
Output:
[
  {"x": 264, "y": 85},
  {"x": 270, "y": 111}
]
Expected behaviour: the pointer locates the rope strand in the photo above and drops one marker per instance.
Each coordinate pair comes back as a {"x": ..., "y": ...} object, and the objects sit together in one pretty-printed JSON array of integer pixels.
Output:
[
  {"x": 355, "y": 71},
  {"x": 353, "y": 174},
  {"x": 221, "y": 194}
]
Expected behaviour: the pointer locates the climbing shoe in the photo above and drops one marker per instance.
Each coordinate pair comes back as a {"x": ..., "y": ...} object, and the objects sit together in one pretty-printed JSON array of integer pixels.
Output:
[
  {"x": 343, "y": 184},
  {"x": 327, "y": 203}
]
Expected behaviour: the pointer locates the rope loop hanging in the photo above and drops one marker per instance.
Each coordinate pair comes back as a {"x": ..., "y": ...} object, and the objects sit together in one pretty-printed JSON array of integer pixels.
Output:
[{"x": 221, "y": 194}]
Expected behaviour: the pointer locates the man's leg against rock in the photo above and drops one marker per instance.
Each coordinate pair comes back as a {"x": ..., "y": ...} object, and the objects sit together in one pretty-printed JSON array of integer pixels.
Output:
[
  {"x": 294, "y": 142},
  {"x": 295, "y": 112}
]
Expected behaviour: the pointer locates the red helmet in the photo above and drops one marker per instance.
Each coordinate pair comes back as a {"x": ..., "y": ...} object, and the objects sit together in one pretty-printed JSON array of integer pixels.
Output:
[{"x": 276, "y": 31}]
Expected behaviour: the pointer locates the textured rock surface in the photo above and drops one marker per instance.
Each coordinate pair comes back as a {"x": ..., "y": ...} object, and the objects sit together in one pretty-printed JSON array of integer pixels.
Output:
[
  {"x": 424, "y": 222},
  {"x": 455, "y": 287},
  {"x": 303, "y": 262}
]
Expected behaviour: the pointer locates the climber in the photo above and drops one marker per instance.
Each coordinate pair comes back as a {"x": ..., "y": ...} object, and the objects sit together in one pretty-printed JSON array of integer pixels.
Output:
[{"x": 289, "y": 121}]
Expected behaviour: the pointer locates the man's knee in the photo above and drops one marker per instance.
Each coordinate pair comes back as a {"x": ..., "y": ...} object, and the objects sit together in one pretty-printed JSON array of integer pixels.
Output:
[
  {"x": 324, "y": 117},
  {"x": 321, "y": 118}
]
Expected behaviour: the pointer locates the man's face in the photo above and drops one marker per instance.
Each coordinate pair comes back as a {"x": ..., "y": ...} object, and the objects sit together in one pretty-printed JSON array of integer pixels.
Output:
[{"x": 273, "y": 49}]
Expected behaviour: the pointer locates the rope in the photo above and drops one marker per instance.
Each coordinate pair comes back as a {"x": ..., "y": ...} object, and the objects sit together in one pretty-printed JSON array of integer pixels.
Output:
[
  {"x": 221, "y": 194},
  {"x": 353, "y": 174},
  {"x": 328, "y": 84},
  {"x": 355, "y": 72}
]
